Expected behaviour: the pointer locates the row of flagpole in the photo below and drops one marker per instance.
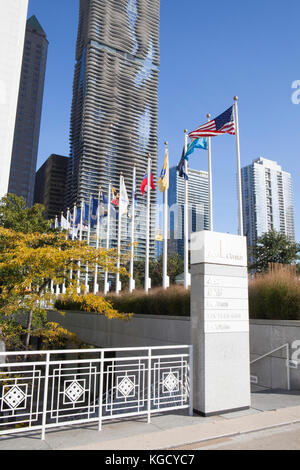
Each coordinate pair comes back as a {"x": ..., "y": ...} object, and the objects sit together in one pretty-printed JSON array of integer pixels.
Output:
[{"x": 221, "y": 125}]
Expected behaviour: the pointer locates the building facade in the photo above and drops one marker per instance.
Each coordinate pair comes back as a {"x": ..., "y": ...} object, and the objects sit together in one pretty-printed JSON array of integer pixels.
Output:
[
  {"x": 50, "y": 185},
  {"x": 198, "y": 202},
  {"x": 29, "y": 110},
  {"x": 12, "y": 31},
  {"x": 267, "y": 200},
  {"x": 114, "y": 116}
]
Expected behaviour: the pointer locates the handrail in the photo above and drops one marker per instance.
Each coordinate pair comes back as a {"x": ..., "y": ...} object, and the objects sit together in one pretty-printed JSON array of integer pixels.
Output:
[{"x": 286, "y": 345}]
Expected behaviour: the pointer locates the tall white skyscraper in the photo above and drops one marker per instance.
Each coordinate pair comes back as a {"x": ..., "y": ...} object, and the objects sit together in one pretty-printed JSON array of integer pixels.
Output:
[
  {"x": 267, "y": 200},
  {"x": 13, "y": 15}
]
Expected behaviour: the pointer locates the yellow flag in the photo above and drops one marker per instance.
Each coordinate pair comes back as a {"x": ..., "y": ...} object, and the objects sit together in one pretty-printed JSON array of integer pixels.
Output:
[{"x": 163, "y": 182}]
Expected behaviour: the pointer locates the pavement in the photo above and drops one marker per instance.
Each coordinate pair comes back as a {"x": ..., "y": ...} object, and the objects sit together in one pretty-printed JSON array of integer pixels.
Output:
[{"x": 270, "y": 410}]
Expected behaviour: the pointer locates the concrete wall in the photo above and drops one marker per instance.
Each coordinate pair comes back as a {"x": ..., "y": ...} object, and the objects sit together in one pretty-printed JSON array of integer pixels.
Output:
[
  {"x": 266, "y": 335},
  {"x": 141, "y": 330},
  {"x": 153, "y": 330}
]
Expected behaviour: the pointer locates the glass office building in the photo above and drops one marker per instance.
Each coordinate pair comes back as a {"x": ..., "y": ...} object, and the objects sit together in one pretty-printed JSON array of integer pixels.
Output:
[
  {"x": 114, "y": 116},
  {"x": 198, "y": 202},
  {"x": 267, "y": 200},
  {"x": 29, "y": 111}
]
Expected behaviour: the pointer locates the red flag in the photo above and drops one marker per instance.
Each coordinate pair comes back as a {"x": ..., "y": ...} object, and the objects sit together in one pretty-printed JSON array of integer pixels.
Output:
[{"x": 144, "y": 185}]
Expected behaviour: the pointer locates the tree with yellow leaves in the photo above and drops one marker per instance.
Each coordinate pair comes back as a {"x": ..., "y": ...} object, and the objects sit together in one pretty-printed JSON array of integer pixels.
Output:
[{"x": 31, "y": 262}]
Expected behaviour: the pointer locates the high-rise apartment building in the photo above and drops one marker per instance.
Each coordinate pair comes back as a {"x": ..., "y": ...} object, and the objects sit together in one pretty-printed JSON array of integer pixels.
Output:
[
  {"x": 50, "y": 185},
  {"x": 12, "y": 30},
  {"x": 114, "y": 115},
  {"x": 267, "y": 200},
  {"x": 198, "y": 203},
  {"x": 29, "y": 110}
]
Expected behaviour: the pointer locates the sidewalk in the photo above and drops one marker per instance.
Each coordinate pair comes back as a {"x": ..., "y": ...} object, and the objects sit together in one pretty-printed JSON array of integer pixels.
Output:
[{"x": 269, "y": 409}]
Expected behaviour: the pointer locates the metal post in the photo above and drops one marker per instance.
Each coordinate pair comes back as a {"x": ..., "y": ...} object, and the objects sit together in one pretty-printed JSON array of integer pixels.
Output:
[
  {"x": 211, "y": 226},
  {"x": 118, "y": 284},
  {"x": 187, "y": 281},
  {"x": 288, "y": 367},
  {"x": 191, "y": 377},
  {"x": 44, "y": 420},
  {"x": 101, "y": 390},
  {"x": 166, "y": 281},
  {"x": 131, "y": 280},
  {"x": 238, "y": 167},
  {"x": 149, "y": 384},
  {"x": 146, "y": 284},
  {"x": 106, "y": 287}
]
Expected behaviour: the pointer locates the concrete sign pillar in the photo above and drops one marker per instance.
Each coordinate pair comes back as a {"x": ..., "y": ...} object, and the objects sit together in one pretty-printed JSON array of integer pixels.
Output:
[{"x": 220, "y": 322}]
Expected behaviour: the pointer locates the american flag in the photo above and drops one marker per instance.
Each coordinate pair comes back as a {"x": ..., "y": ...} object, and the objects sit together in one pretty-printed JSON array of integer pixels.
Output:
[{"x": 223, "y": 124}]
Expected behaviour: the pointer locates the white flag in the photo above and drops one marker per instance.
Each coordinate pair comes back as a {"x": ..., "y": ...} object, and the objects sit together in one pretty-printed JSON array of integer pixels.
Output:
[
  {"x": 123, "y": 199},
  {"x": 65, "y": 224}
]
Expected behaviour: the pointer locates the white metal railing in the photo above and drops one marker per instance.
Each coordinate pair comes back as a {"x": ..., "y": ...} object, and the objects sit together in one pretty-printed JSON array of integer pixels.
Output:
[
  {"x": 254, "y": 379},
  {"x": 41, "y": 390}
]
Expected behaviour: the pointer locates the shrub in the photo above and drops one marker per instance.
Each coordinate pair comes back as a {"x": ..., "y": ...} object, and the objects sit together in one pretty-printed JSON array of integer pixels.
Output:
[
  {"x": 173, "y": 301},
  {"x": 275, "y": 295}
]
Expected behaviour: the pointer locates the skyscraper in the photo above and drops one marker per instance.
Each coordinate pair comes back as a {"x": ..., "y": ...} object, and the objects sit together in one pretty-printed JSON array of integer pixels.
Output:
[
  {"x": 50, "y": 185},
  {"x": 28, "y": 118},
  {"x": 198, "y": 203},
  {"x": 267, "y": 200},
  {"x": 12, "y": 30},
  {"x": 114, "y": 114}
]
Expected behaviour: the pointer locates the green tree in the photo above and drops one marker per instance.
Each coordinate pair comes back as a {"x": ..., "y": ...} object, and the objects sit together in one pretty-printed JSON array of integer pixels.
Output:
[
  {"x": 28, "y": 264},
  {"x": 15, "y": 215},
  {"x": 273, "y": 247}
]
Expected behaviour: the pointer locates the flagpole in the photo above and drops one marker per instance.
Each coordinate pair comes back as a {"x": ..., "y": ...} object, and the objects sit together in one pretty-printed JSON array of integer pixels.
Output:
[
  {"x": 80, "y": 239},
  {"x": 131, "y": 280},
  {"x": 238, "y": 166},
  {"x": 166, "y": 281},
  {"x": 147, "y": 279},
  {"x": 88, "y": 244},
  {"x": 106, "y": 286},
  {"x": 63, "y": 288},
  {"x": 211, "y": 226},
  {"x": 186, "y": 218},
  {"x": 96, "y": 286},
  {"x": 118, "y": 283},
  {"x": 73, "y": 235}
]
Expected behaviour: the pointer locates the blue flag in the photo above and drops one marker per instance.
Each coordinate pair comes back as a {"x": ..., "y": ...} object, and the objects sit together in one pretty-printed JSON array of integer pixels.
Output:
[
  {"x": 86, "y": 213},
  {"x": 78, "y": 215},
  {"x": 180, "y": 166},
  {"x": 94, "y": 212},
  {"x": 200, "y": 143}
]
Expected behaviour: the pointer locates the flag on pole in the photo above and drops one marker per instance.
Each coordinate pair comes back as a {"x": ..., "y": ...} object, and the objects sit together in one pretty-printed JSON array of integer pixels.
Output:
[
  {"x": 78, "y": 216},
  {"x": 123, "y": 199},
  {"x": 144, "y": 185},
  {"x": 163, "y": 182},
  {"x": 180, "y": 166},
  {"x": 85, "y": 216},
  {"x": 200, "y": 143},
  {"x": 115, "y": 199},
  {"x": 222, "y": 124},
  {"x": 65, "y": 224},
  {"x": 94, "y": 210}
]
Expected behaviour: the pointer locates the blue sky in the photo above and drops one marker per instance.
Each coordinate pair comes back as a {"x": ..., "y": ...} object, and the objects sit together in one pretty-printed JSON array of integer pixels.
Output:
[{"x": 210, "y": 51}]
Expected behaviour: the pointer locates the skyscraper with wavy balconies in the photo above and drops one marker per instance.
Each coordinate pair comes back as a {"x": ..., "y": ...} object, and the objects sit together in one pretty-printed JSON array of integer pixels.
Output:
[{"x": 114, "y": 116}]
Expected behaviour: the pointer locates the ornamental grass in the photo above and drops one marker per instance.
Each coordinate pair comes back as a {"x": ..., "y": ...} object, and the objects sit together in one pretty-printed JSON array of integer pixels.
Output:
[{"x": 275, "y": 295}]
